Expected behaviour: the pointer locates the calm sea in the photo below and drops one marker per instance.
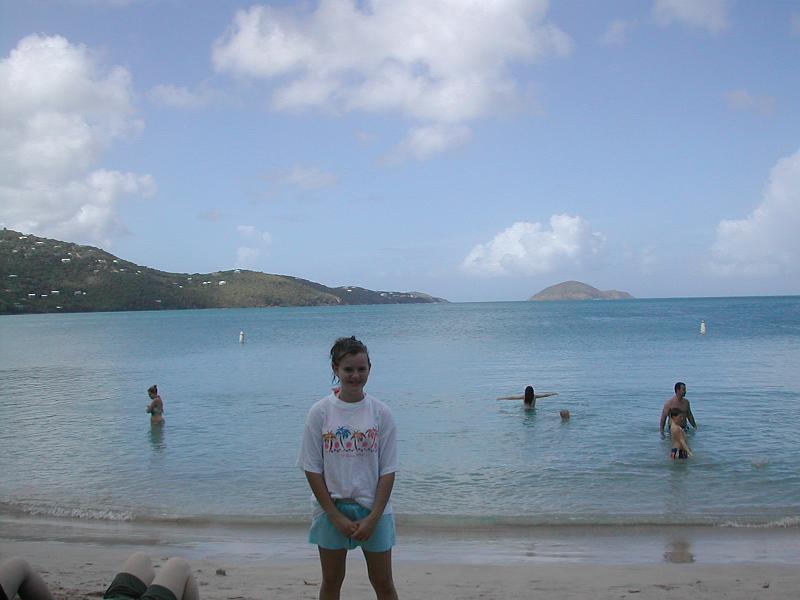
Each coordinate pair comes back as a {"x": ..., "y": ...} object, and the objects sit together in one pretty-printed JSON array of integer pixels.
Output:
[{"x": 76, "y": 441}]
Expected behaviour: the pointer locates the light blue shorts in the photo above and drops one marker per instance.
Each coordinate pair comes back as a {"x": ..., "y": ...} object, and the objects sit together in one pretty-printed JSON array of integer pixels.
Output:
[{"x": 325, "y": 535}]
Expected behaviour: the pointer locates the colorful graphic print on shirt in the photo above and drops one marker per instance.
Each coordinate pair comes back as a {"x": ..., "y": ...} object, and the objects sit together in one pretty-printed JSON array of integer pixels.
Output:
[{"x": 350, "y": 440}]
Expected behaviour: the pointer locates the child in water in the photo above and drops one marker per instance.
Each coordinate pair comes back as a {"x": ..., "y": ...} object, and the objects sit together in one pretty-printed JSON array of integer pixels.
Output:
[
  {"x": 680, "y": 447},
  {"x": 349, "y": 455},
  {"x": 156, "y": 406},
  {"x": 529, "y": 398}
]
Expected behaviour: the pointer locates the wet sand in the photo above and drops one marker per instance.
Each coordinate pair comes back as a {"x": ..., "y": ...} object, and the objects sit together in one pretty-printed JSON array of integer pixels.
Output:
[{"x": 78, "y": 559}]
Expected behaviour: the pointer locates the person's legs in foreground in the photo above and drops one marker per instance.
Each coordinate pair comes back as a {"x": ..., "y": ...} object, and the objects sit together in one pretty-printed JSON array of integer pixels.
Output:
[
  {"x": 17, "y": 577},
  {"x": 175, "y": 576},
  {"x": 379, "y": 568},
  {"x": 334, "y": 564}
]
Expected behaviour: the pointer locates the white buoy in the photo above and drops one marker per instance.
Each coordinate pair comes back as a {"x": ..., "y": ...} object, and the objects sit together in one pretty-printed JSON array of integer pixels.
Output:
[
  {"x": 241, "y": 337},
  {"x": 702, "y": 327}
]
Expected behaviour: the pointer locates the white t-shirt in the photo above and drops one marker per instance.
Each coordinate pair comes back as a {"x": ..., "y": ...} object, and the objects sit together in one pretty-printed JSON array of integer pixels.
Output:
[{"x": 352, "y": 444}]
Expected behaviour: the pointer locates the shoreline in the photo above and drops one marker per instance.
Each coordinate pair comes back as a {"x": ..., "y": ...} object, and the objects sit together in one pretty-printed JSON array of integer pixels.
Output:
[{"x": 491, "y": 545}]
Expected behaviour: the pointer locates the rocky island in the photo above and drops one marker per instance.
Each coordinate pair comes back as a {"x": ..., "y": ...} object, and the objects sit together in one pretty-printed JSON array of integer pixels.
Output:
[
  {"x": 576, "y": 290},
  {"x": 41, "y": 275}
]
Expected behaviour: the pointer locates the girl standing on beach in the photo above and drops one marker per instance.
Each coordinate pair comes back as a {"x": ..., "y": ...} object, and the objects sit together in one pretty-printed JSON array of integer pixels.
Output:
[
  {"x": 349, "y": 455},
  {"x": 156, "y": 406}
]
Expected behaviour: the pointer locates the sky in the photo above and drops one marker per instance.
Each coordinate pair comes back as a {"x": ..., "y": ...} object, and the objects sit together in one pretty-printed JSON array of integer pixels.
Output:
[{"x": 475, "y": 150}]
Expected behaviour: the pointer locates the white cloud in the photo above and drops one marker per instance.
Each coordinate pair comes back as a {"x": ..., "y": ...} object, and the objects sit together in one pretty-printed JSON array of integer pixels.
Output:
[
  {"x": 766, "y": 242},
  {"x": 247, "y": 258},
  {"x": 309, "y": 178},
  {"x": 251, "y": 232},
  {"x": 59, "y": 113},
  {"x": 436, "y": 61},
  {"x": 705, "y": 14},
  {"x": 616, "y": 34},
  {"x": 424, "y": 142},
  {"x": 530, "y": 249},
  {"x": 745, "y": 101},
  {"x": 174, "y": 96}
]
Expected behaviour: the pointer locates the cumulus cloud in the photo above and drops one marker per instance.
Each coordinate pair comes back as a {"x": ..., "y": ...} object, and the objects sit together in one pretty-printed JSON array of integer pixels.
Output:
[
  {"x": 530, "y": 249},
  {"x": 711, "y": 15},
  {"x": 247, "y": 258},
  {"x": 59, "y": 113},
  {"x": 251, "y": 232},
  {"x": 308, "y": 178},
  {"x": 616, "y": 34},
  {"x": 258, "y": 243},
  {"x": 181, "y": 97},
  {"x": 439, "y": 62},
  {"x": 424, "y": 142},
  {"x": 765, "y": 243},
  {"x": 745, "y": 101}
]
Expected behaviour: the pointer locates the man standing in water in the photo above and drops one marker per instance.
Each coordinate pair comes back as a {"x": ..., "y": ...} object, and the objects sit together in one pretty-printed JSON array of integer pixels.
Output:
[{"x": 681, "y": 403}]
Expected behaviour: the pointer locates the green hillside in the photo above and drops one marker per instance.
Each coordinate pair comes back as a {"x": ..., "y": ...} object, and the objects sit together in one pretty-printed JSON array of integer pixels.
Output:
[
  {"x": 40, "y": 275},
  {"x": 577, "y": 290}
]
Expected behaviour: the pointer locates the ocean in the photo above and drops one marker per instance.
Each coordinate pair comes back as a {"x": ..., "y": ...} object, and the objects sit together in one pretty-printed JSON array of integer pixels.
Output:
[{"x": 77, "y": 444}]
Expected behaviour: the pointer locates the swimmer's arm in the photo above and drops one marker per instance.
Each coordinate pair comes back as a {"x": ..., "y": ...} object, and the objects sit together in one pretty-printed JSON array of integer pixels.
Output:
[
  {"x": 663, "y": 421},
  {"x": 690, "y": 417},
  {"x": 511, "y": 398},
  {"x": 316, "y": 481},
  {"x": 545, "y": 395},
  {"x": 153, "y": 404}
]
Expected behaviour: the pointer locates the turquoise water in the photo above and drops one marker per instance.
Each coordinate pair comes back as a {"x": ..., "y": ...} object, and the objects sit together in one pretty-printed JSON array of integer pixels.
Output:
[{"x": 76, "y": 441}]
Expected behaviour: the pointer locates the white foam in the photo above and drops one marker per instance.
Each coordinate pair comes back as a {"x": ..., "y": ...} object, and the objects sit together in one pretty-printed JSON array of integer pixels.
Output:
[
  {"x": 784, "y": 523},
  {"x": 93, "y": 514}
]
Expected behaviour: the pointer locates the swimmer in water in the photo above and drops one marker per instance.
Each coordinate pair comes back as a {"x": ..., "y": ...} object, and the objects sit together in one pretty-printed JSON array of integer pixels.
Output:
[
  {"x": 156, "y": 406},
  {"x": 680, "y": 447},
  {"x": 529, "y": 397}
]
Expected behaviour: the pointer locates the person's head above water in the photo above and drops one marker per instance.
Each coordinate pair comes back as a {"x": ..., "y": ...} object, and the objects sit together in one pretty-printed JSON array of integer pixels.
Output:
[
  {"x": 529, "y": 395},
  {"x": 153, "y": 390},
  {"x": 680, "y": 389},
  {"x": 347, "y": 346}
]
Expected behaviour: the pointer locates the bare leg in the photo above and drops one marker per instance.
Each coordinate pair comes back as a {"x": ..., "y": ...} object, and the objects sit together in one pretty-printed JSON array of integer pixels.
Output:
[
  {"x": 334, "y": 563},
  {"x": 176, "y": 576},
  {"x": 379, "y": 568},
  {"x": 17, "y": 577},
  {"x": 139, "y": 565}
]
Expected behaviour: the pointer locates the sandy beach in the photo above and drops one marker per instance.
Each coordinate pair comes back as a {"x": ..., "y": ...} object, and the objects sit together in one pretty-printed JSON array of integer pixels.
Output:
[
  {"x": 82, "y": 570},
  {"x": 78, "y": 560}
]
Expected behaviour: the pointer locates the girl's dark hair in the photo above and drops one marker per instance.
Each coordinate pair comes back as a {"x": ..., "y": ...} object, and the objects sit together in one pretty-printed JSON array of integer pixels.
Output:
[
  {"x": 529, "y": 396},
  {"x": 346, "y": 346},
  {"x": 153, "y": 389}
]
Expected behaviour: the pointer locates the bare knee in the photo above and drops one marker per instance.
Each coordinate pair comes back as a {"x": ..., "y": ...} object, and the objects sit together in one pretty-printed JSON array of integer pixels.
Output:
[
  {"x": 177, "y": 568},
  {"x": 333, "y": 580},
  {"x": 139, "y": 565},
  {"x": 382, "y": 583},
  {"x": 17, "y": 565}
]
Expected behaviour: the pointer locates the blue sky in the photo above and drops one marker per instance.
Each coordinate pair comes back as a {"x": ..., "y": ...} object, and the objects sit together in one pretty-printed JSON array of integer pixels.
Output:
[{"x": 473, "y": 150}]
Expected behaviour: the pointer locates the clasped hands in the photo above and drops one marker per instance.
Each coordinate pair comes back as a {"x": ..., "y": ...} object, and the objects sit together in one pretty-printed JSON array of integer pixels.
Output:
[{"x": 360, "y": 530}]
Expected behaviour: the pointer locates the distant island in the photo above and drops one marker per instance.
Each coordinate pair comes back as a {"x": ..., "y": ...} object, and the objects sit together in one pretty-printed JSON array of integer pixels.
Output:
[
  {"x": 41, "y": 275},
  {"x": 575, "y": 290}
]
